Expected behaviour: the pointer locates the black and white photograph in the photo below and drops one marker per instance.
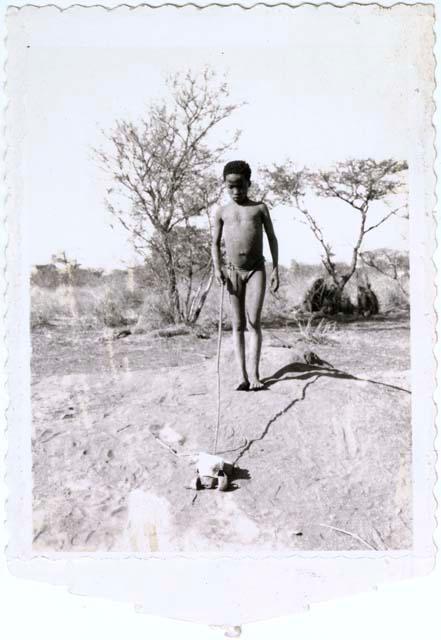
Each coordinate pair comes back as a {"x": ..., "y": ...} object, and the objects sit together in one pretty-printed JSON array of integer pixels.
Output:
[{"x": 223, "y": 221}]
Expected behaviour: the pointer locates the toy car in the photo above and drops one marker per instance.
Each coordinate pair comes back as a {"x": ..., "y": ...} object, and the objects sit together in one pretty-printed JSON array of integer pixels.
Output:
[{"x": 211, "y": 473}]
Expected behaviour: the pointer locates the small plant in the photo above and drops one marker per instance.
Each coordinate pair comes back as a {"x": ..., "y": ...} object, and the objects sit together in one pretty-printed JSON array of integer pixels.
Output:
[{"x": 320, "y": 333}]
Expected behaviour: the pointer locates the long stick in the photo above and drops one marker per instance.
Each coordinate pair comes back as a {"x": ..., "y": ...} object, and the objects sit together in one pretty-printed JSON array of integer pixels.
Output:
[{"x": 219, "y": 340}]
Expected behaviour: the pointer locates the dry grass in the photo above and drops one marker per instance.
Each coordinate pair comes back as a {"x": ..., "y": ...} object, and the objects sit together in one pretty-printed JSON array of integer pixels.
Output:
[
  {"x": 118, "y": 301},
  {"x": 86, "y": 306},
  {"x": 316, "y": 333}
]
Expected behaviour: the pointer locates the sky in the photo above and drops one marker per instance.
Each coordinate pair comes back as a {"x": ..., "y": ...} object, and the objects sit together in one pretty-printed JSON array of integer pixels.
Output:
[{"x": 319, "y": 86}]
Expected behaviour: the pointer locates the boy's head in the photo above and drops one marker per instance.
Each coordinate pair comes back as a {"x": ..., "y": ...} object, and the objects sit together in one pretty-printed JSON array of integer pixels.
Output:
[{"x": 237, "y": 177}]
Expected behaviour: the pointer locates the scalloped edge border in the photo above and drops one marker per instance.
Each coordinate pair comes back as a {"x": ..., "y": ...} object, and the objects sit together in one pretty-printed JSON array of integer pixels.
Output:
[
  {"x": 221, "y": 5},
  {"x": 435, "y": 258}
]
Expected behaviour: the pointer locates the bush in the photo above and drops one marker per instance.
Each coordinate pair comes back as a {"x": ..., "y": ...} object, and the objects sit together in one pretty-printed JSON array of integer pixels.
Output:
[
  {"x": 389, "y": 293},
  {"x": 112, "y": 309},
  {"x": 323, "y": 295},
  {"x": 154, "y": 313},
  {"x": 367, "y": 301},
  {"x": 90, "y": 306},
  {"x": 45, "y": 308},
  {"x": 209, "y": 316},
  {"x": 395, "y": 298},
  {"x": 45, "y": 275}
]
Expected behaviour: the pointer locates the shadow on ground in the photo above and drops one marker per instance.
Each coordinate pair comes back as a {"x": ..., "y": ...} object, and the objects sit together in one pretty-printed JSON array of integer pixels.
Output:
[{"x": 306, "y": 372}]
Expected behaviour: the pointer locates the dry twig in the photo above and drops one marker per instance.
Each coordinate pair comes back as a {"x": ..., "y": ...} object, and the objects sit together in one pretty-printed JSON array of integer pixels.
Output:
[{"x": 348, "y": 533}]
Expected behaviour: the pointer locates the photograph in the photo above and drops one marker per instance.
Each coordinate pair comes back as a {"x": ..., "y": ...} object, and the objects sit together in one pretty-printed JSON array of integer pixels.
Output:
[{"x": 217, "y": 214}]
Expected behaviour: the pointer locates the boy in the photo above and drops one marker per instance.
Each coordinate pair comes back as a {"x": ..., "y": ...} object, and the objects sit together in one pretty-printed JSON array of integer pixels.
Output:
[{"x": 242, "y": 222}]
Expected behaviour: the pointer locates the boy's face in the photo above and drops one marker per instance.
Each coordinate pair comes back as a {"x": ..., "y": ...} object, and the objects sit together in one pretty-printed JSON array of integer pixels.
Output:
[{"x": 237, "y": 186}]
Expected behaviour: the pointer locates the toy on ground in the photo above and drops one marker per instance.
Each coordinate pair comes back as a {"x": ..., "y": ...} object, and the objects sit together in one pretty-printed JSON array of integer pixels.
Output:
[{"x": 212, "y": 472}]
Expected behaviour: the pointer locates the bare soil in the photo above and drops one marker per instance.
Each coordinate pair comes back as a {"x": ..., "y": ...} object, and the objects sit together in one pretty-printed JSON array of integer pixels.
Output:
[{"x": 322, "y": 455}]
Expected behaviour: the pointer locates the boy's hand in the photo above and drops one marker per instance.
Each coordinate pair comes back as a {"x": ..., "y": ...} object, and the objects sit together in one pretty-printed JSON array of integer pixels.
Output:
[
  {"x": 220, "y": 278},
  {"x": 274, "y": 282}
]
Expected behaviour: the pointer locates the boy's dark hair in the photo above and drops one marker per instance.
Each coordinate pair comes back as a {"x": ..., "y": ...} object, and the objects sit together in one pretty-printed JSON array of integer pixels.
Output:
[{"x": 238, "y": 166}]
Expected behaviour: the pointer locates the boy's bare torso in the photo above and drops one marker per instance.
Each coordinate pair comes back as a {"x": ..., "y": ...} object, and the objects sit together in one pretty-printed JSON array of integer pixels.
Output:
[{"x": 243, "y": 233}]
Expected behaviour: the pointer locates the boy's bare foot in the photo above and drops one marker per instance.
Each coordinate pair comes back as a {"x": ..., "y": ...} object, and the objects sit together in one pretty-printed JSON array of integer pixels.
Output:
[
  {"x": 243, "y": 386},
  {"x": 256, "y": 385}
]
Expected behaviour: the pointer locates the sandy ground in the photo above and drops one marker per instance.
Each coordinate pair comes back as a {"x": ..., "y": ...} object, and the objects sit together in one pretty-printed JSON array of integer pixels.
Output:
[{"x": 323, "y": 456}]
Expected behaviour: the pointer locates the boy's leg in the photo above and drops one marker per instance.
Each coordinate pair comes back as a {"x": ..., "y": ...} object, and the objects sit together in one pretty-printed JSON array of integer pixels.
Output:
[
  {"x": 238, "y": 320},
  {"x": 254, "y": 303}
]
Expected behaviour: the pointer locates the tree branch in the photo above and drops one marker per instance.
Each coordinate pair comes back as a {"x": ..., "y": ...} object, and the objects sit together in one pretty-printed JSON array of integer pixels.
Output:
[{"x": 386, "y": 217}]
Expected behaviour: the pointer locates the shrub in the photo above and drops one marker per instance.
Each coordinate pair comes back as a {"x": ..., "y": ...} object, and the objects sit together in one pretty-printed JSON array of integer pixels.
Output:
[
  {"x": 112, "y": 310},
  {"x": 209, "y": 316},
  {"x": 395, "y": 298},
  {"x": 323, "y": 295},
  {"x": 154, "y": 313},
  {"x": 87, "y": 306},
  {"x": 367, "y": 301},
  {"x": 47, "y": 307}
]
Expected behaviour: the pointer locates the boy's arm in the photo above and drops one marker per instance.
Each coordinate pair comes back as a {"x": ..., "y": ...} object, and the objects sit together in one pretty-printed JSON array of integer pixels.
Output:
[
  {"x": 216, "y": 247},
  {"x": 274, "y": 247}
]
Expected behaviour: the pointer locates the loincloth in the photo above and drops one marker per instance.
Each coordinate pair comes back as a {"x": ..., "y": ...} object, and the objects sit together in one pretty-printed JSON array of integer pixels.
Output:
[{"x": 238, "y": 274}]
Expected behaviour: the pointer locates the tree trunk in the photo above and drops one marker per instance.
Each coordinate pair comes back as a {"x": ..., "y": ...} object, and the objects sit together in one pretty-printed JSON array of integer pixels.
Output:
[
  {"x": 356, "y": 249},
  {"x": 172, "y": 292},
  {"x": 189, "y": 288},
  {"x": 200, "y": 297},
  {"x": 331, "y": 271}
]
